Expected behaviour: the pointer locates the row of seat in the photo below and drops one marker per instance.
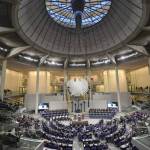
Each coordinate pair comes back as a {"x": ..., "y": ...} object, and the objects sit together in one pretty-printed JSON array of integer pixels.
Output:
[
  {"x": 102, "y": 113},
  {"x": 58, "y": 136},
  {"x": 54, "y": 113},
  {"x": 7, "y": 106},
  {"x": 93, "y": 136}
]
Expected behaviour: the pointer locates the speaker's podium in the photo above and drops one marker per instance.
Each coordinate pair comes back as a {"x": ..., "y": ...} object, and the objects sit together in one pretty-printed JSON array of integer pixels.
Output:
[{"x": 78, "y": 119}]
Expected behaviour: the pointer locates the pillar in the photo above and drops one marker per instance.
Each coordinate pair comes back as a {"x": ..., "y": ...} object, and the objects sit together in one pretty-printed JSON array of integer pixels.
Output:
[
  {"x": 65, "y": 84},
  {"x": 90, "y": 87},
  {"x": 89, "y": 80},
  {"x": 37, "y": 89},
  {"x": 118, "y": 88},
  {"x": 47, "y": 82},
  {"x": 106, "y": 75},
  {"x": 3, "y": 78},
  {"x": 149, "y": 64}
]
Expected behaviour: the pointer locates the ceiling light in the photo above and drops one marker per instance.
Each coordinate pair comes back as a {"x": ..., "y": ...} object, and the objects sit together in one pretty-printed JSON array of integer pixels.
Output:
[
  {"x": 53, "y": 63},
  {"x": 28, "y": 58},
  {"x": 127, "y": 56},
  {"x": 101, "y": 62},
  {"x": 77, "y": 65},
  {"x": 3, "y": 49}
]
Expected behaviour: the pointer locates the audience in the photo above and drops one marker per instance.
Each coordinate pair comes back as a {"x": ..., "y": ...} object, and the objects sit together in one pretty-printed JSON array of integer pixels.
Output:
[
  {"x": 7, "y": 106},
  {"x": 118, "y": 131},
  {"x": 60, "y": 136}
]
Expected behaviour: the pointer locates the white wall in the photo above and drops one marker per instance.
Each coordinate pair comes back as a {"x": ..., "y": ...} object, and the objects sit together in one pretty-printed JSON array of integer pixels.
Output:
[
  {"x": 53, "y": 105},
  {"x": 101, "y": 100},
  {"x": 13, "y": 80},
  {"x": 43, "y": 87},
  {"x": 110, "y": 81},
  {"x": 140, "y": 77},
  {"x": 55, "y": 102}
]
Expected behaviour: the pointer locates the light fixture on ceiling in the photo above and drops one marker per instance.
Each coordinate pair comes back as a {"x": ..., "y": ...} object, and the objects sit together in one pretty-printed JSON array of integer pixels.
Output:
[
  {"x": 128, "y": 56},
  {"x": 28, "y": 58},
  {"x": 3, "y": 49},
  {"x": 77, "y": 65},
  {"x": 52, "y": 63},
  {"x": 101, "y": 62}
]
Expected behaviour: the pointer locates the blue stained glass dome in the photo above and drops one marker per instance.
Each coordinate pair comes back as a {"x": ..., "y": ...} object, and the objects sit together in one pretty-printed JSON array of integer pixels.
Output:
[{"x": 61, "y": 12}]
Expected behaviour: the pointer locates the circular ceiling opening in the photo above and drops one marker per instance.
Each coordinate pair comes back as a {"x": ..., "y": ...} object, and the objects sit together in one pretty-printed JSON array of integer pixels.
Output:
[{"x": 61, "y": 11}]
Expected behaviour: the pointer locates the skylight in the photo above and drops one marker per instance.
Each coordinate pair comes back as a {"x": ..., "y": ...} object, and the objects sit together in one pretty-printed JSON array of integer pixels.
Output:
[{"x": 61, "y": 12}]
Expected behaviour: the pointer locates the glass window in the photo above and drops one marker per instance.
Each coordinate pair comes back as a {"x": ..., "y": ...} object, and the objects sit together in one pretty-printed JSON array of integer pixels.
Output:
[{"x": 61, "y": 12}]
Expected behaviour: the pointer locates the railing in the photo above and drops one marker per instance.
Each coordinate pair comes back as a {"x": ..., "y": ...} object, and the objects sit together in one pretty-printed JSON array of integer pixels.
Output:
[{"x": 135, "y": 89}]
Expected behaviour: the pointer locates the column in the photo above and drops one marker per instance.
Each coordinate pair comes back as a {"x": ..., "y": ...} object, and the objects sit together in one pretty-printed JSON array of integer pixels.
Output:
[
  {"x": 3, "y": 78},
  {"x": 46, "y": 90},
  {"x": 65, "y": 84},
  {"x": 149, "y": 64},
  {"x": 72, "y": 106},
  {"x": 118, "y": 88},
  {"x": 37, "y": 89},
  {"x": 108, "y": 78},
  {"x": 90, "y": 87},
  {"x": 89, "y": 81}
]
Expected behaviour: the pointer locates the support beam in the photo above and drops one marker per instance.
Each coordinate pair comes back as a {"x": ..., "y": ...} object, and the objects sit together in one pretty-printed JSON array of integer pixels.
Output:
[
  {"x": 112, "y": 58},
  {"x": 17, "y": 50},
  {"x": 108, "y": 82},
  {"x": 65, "y": 84},
  {"x": 147, "y": 28},
  {"x": 90, "y": 87},
  {"x": 10, "y": 42},
  {"x": 3, "y": 78},
  {"x": 118, "y": 88},
  {"x": 66, "y": 63},
  {"x": 140, "y": 49},
  {"x": 47, "y": 83},
  {"x": 43, "y": 59},
  {"x": 88, "y": 63},
  {"x": 5, "y": 30},
  {"x": 149, "y": 65},
  {"x": 37, "y": 89}
]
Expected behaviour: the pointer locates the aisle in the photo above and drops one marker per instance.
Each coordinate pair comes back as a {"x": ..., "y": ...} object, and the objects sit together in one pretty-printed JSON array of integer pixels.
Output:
[{"x": 77, "y": 145}]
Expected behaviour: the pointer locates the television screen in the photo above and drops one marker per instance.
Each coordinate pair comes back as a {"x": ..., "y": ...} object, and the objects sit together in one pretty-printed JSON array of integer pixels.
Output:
[
  {"x": 112, "y": 105},
  {"x": 43, "y": 106}
]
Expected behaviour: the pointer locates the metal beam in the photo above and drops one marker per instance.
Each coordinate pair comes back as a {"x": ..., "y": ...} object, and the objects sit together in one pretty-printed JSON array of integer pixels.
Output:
[
  {"x": 147, "y": 28},
  {"x": 149, "y": 65},
  {"x": 65, "y": 84},
  {"x": 11, "y": 42},
  {"x": 118, "y": 88},
  {"x": 66, "y": 63},
  {"x": 112, "y": 58},
  {"x": 88, "y": 63},
  {"x": 3, "y": 78},
  {"x": 140, "y": 49},
  {"x": 17, "y": 50},
  {"x": 42, "y": 60},
  {"x": 5, "y": 30},
  {"x": 37, "y": 90}
]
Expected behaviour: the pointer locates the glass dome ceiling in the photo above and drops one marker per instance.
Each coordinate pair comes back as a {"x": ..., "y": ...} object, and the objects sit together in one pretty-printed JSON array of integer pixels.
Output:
[{"x": 61, "y": 11}]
